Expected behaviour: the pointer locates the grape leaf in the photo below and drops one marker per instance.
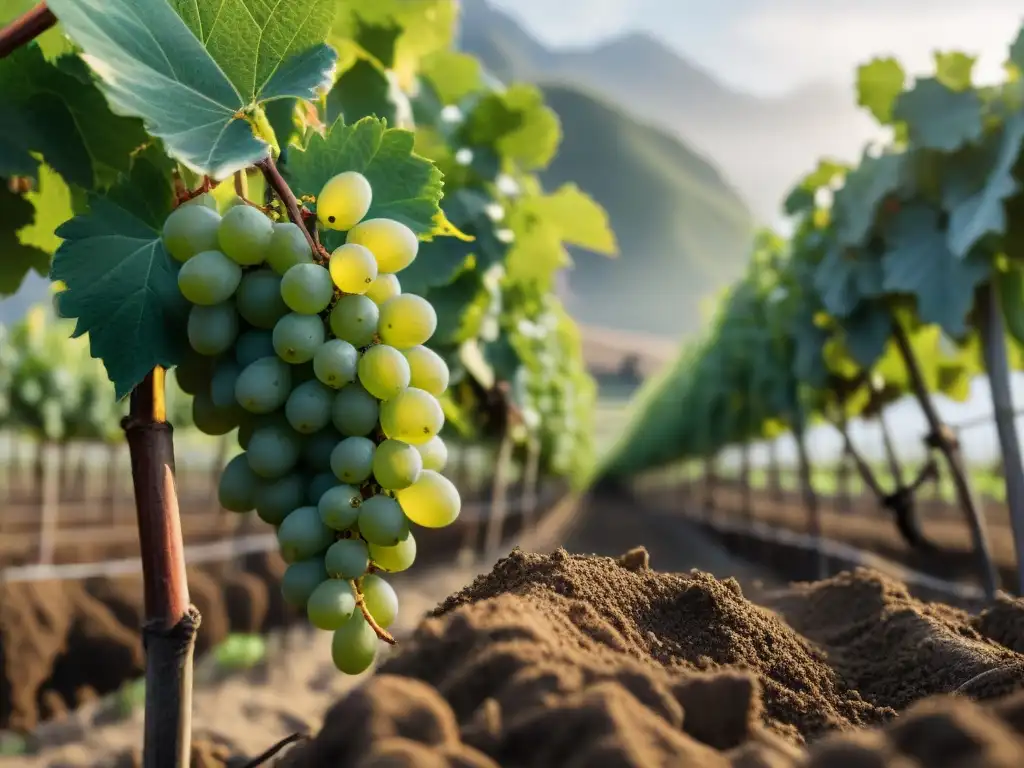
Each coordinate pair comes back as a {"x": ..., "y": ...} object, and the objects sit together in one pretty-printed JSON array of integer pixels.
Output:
[
  {"x": 879, "y": 83},
  {"x": 453, "y": 75},
  {"x": 809, "y": 341},
  {"x": 976, "y": 209},
  {"x": 121, "y": 283},
  {"x": 866, "y": 187},
  {"x": 517, "y": 124},
  {"x": 17, "y": 258},
  {"x": 954, "y": 69},
  {"x": 56, "y": 110},
  {"x": 406, "y": 187},
  {"x": 938, "y": 117},
  {"x": 801, "y": 197},
  {"x": 1017, "y": 50},
  {"x": 918, "y": 262},
  {"x": 845, "y": 277},
  {"x": 190, "y": 77},
  {"x": 579, "y": 219},
  {"x": 866, "y": 332},
  {"x": 364, "y": 90}
]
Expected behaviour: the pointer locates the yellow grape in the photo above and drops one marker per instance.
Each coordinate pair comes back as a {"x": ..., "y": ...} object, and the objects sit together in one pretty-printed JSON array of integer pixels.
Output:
[
  {"x": 412, "y": 416},
  {"x": 385, "y": 287},
  {"x": 406, "y": 321},
  {"x": 353, "y": 268},
  {"x": 392, "y": 243},
  {"x": 343, "y": 201},
  {"x": 432, "y": 501}
]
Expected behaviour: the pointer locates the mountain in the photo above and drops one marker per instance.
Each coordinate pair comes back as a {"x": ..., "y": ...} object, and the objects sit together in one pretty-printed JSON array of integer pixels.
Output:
[
  {"x": 762, "y": 145},
  {"x": 682, "y": 230}
]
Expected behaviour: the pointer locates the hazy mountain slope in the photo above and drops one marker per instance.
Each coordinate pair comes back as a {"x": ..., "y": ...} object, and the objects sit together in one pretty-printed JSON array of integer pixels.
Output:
[
  {"x": 682, "y": 230},
  {"x": 761, "y": 145}
]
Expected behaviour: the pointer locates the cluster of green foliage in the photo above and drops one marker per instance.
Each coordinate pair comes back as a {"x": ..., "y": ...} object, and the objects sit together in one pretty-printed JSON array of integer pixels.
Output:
[
  {"x": 892, "y": 262},
  {"x": 98, "y": 133}
]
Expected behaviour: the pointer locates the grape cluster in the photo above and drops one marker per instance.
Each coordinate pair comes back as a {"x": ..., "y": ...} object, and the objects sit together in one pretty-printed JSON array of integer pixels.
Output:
[{"x": 322, "y": 368}]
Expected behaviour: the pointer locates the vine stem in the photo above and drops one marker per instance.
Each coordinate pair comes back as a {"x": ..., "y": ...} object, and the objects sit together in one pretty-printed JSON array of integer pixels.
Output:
[
  {"x": 25, "y": 29},
  {"x": 968, "y": 502},
  {"x": 291, "y": 203},
  {"x": 171, "y": 622},
  {"x": 382, "y": 633}
]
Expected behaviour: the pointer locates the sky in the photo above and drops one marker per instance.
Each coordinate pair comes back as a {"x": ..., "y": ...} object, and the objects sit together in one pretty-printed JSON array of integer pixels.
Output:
[{"x": 775, "y": 46}]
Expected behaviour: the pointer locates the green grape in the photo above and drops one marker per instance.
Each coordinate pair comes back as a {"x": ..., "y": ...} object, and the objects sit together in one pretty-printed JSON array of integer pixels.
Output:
[
  {"x": 339, "y": 507},
  {"x": 222, "y": 384},
  {"x": 300, "y": 579},
  {"x": 352, "y": 459},
  {"x": 354, "y": 646},
  {"x": 331, "y": 604},
  {"x": 298, "y": 337},
  {"x": 434, "y": 454},
  {"x": 307, "y": 289},
  {"x": 252, "y": 345},
  {"x": 308, "y": 408},
  {"x": 385, "y": 287},
  {"x": 355, "y": 411},
  {"x": 212, "y": 330},
  {"x": 259, "y": 299},
  {"x": 383, "y": 371},
  {"x": 427, "y": 370},
  {"x": 208, "y": 278},
  {"x": 397, "y": 558},
  {"x": 204, "y": 199},
  {"x": 343, "y": 201},
  {"x": 412, "y": 416},
  {"x": 353, "y": 268},
  {"x": 382, "y": 522},
  {"x": 354, "y": 319},
  {"x": 392, "y": 243},
  {"x": 406, "y": 321},
  {"x": 244, "y": 235},
  {"x": 432, "y": 501},
  {"x": 288, "y": 247},
  {"x": 320, "y": 485},
  {"x": 238, "y": 485},
  {"x": 211, "y": 420},
  {"x": 316, "y": 449},
  {"x": 347, "y": 558},
  {"x": 273, "y": 451},
  {"x": 190, "y": 229},
  {"x": 276, "y": 498},
  {"x": 396, "y": 465},
  {"x": 335, "y": 363},
  {"x": 263, "y": 386},
  {"x": 380, "y": 598},
  {"x": 193, "y": 374},
  {"x": 303, "y": 535}
]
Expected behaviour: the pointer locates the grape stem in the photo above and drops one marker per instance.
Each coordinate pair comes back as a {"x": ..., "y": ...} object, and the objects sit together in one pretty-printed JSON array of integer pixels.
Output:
[
  {"x": 184, "y": 195},
  {"x": 295, "y": 213},
  {"x": 25, "y": 29},
  {"x": 382, "y": 633}
]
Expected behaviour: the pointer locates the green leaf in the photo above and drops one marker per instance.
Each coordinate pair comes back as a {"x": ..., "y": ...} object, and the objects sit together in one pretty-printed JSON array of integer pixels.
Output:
[
  {"x": 809, "y": 340},
  {"x": 953, "y": 69},
  {"x": 938, "y": 117},
  {"x": 190, "y": 77},
  {"x": 121, "y": 283},
  {"x": 866, "y": 332},
  {"x": 846, "y": 277},
  {"x": 17, "y": 258},
  {"x": 518, "y": 125},
  {"x": 918, "y": 262},
  {"x": 406, "y": 187},
  {"x": 1017, "y": 51},
  {"x": 977, "y": 209},
  {"x": 579, "y": 218},
  {"x": 856, "y": 204},
  {"x": 56, "y": 110},
  {"x": 363, "y": 90},
  {"x": 879, "y": 83},
  {"x": 451, "y": 303},
  {"x": 454, "y": 75},
  {"x": 801, "y": 198}
]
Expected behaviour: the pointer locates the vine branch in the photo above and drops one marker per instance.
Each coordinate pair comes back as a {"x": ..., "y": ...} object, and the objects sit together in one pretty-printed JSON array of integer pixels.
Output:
[
  {"x": 25, "y": 29},
  {"x": 382, "y": 633},
  {"x": 291, "y": 203}
]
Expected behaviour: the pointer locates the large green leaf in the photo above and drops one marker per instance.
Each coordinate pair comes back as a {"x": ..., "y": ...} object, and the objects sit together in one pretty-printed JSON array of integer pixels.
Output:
[
  {"x": 517, "y": 124},
  {"x": 879, "y": 84},
  {"x": 856, "y": 204},
  {"x": 191, "y": 77},
  {"x": 406, "y": 187},
  {"x": 441, "y": 260},
  {"x": 579, "y": 219},
  {"x": 845, "y": 277},
  {"x": 918, "y": 262},
  {"x": 121, "y": 283},
  {"x": 16, "y": 258},
  {"x": 938, "y": 117},
  {"x": 976, "y": 206},
  {"x": 866, "y": 332},
  {"x": 56, "y": 110}
]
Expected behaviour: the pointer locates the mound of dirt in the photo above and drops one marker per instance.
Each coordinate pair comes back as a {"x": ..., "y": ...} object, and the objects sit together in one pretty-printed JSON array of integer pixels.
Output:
[{"x": 591, "y": 662}]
